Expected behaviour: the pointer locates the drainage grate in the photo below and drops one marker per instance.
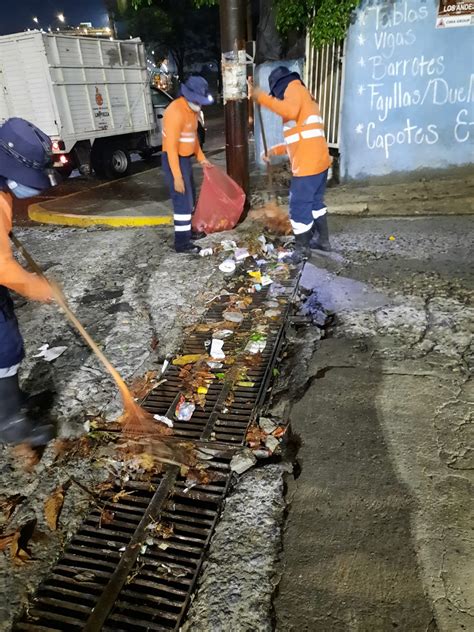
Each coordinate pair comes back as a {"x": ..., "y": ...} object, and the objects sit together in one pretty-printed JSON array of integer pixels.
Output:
[
  {"x": 108, "y": 579},
  {"x": 221, "y": 421}
]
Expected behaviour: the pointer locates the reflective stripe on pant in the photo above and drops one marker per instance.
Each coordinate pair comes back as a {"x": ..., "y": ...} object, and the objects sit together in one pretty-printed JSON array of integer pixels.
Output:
[
  {"x": 9, "y": 371},
  {"x": 183, "y": 203},
  {"x": 307, "y": 201}
]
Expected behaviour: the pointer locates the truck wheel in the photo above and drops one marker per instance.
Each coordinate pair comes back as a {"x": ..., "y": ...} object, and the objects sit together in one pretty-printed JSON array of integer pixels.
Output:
[
  {"x": 111, "y": 161},
  {"x": 117, "y": 162}
]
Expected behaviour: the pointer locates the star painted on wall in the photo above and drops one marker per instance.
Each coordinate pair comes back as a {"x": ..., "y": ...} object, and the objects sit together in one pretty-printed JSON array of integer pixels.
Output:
[
  {"x": 361, "y": 62},
  {"x": 361, "y": 39},
  {"x": 362, "y": 19},
  {"x": 359, "y": 129},
  {"x": 360, "y": 90}
]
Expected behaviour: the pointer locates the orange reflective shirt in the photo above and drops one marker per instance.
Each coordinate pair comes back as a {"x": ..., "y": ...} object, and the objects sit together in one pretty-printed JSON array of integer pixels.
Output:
[
  {"x": 303, "y": 130},
  {"x": 180, "y": 137},
  {"x": 12, "y": 275}
]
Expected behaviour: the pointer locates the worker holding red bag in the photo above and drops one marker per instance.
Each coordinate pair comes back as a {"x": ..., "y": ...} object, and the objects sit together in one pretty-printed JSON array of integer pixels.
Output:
[
  {"x": 180, "y": 145},
  {"x": 305, "y": 143}
]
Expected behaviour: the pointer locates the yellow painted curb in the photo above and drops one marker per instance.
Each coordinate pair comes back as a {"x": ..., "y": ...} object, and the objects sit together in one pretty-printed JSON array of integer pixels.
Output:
[{"x": 38, "y": 214}]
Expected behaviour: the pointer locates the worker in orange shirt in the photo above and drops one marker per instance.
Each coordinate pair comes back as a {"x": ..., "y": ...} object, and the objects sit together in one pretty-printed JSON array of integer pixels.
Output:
[
  {"x": 25, "y": 156},
  {"x": 305, "y": 143},
  {"x": 180, "y": 145}
]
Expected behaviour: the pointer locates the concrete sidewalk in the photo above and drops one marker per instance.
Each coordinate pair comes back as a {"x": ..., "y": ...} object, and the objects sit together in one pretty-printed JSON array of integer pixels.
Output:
[
  {"x": 138, "y": 200},
  {"x": 451, "y": 194}
]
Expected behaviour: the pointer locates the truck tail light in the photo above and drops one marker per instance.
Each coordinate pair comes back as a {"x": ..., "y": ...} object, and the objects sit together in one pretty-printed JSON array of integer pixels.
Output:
[
  {"x": 58, "y": 145},
  {"x": 63, "y": 159}
]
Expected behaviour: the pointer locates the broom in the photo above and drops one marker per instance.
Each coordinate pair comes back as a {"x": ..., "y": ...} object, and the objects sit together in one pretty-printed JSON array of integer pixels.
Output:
[
  {"x": 135, "y": 420},
  {"x": 271, "y": 214}
]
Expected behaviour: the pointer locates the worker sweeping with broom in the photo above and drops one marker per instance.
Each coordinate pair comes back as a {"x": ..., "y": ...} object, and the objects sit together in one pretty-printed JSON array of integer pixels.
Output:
[
  {"x": 305, "y": 143},
  {"x": 180, "y": 145},
  {"x": 25, "y": 157}
]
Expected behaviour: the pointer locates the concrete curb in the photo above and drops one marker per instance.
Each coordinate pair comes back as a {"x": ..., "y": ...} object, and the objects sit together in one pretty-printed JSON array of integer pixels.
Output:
[{"x": 38, "y": 213}]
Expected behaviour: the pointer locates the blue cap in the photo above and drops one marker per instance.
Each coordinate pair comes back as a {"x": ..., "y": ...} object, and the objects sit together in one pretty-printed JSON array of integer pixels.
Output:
[
  {"x": 25, "y": 154},
  {"x": 196, "y": 90},
  {"x": 279, "y": 79}
]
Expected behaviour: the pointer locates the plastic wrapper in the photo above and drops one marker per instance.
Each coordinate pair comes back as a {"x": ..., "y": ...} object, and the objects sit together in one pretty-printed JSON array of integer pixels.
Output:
[{"x": 220, "y": 204}]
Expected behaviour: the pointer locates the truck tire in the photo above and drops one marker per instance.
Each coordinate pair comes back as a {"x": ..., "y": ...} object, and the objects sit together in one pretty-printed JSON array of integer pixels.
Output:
[{"x": 110, "y": 160}]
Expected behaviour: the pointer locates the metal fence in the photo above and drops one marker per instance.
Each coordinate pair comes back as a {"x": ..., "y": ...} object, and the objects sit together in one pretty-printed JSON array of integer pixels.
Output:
[{"x": 324, "y": 76}]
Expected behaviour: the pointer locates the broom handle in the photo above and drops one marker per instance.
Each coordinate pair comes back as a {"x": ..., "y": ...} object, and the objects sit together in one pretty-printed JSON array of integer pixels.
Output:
[
  {"x": 60, "y": 298},
  {"x": 265, "y": 148}
]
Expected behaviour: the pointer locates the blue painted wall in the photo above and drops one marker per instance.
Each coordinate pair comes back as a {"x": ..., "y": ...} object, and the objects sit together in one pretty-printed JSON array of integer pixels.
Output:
[
  {"x": 272, "y": 123},
  {"x": 408, "y": 91}
]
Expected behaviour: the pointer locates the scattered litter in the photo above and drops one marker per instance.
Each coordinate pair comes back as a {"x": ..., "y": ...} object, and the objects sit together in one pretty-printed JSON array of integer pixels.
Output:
[
  {"x": 215, "y": 365},
  {"x": 216, "y": 349},
  {"x": 228, "y": 244},
  {"x": 50, "y": 354},
  {"x": 87, "y": 576},
  {"x": 241, "y": 253},
  {"x": 267, "y": 425},
  {"x": 272, "y": 313},
  {"x": 266, "y": 280},
  {"x": 221, "y": 334},
  {"x": 206, "y": 252},
  {"x": 255, "y": 274},
  {"x": 163, "y": 546},
  {"x": 233, "y": 317},
  {"x": 164, "y": 420},
  {"x": 283, "y": 254},
  {"x": 227, "y": 266},
  {"x": 272, "y": 443},
  {"x": 243, "y": 461},
  {"x": 184, "y": 410},
  {"x": 142, "y": 265},
  {"x": 143, "y": 549},
  {"x": 87, "y": 426},
  {"x": 392, "y": 238},
  {"x": 166, "y": 364},
  {"x": 256, "y": 344}
]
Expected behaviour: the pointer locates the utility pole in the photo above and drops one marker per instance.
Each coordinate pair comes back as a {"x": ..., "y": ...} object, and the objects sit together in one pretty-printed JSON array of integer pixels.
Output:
[{"x": 234, "y": 77}]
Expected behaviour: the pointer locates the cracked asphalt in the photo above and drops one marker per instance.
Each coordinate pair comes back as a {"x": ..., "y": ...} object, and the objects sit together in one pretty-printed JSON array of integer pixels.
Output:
[{"x": 379, "y": 522}]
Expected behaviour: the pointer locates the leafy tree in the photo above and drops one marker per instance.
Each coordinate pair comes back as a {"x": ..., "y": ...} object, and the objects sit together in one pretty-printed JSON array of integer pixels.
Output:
[
  {"x": 328, "y": 19},
  {"x": 172, "y": 26}
]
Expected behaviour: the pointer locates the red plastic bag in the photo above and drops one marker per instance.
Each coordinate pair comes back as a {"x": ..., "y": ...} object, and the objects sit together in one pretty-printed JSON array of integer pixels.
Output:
[{"x": 220, "y": 202}]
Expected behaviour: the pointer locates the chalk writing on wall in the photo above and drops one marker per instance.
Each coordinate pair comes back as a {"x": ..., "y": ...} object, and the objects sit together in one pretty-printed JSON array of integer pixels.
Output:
[{"x": 409, "y": 87}]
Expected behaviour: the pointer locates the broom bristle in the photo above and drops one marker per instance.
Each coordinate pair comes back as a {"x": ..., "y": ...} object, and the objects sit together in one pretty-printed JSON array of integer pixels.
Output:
[{"x": 273, "y": 217}]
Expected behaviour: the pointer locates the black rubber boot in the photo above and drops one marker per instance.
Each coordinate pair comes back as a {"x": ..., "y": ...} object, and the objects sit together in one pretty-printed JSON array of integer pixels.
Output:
[
  {"x": 302, "y": 250},
  {"x": 16, "y": 426},
  {"x": 321, "y": 241},
  {"x": 188, "y": 249}
]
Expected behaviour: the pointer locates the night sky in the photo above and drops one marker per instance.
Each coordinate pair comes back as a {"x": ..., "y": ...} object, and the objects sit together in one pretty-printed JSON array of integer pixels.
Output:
[{"x": 20, "y": 16}]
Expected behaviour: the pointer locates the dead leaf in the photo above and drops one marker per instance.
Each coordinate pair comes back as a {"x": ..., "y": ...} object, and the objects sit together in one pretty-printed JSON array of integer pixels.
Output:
[
  {"x": 52, "y": 507},
  {"x": 5, "y": 541},
  {"x": 26, "y": 456},
  {"x": 121, "y": 494},
  {"x": 143, "y": 385},
  {"x": 106, "y": 517},
  {"x": 188, "y": 359},
  {"x": 8, "y": 504}
]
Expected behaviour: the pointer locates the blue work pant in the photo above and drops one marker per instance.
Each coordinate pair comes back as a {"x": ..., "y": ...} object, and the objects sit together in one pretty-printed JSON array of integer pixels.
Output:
[
  {"x": 307, "y": 201},
  {"x": 183, "y": 203}
]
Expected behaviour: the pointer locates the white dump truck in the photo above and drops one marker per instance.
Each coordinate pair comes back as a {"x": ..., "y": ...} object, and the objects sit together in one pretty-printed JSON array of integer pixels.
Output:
[{"x": 91, "y": 96}]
